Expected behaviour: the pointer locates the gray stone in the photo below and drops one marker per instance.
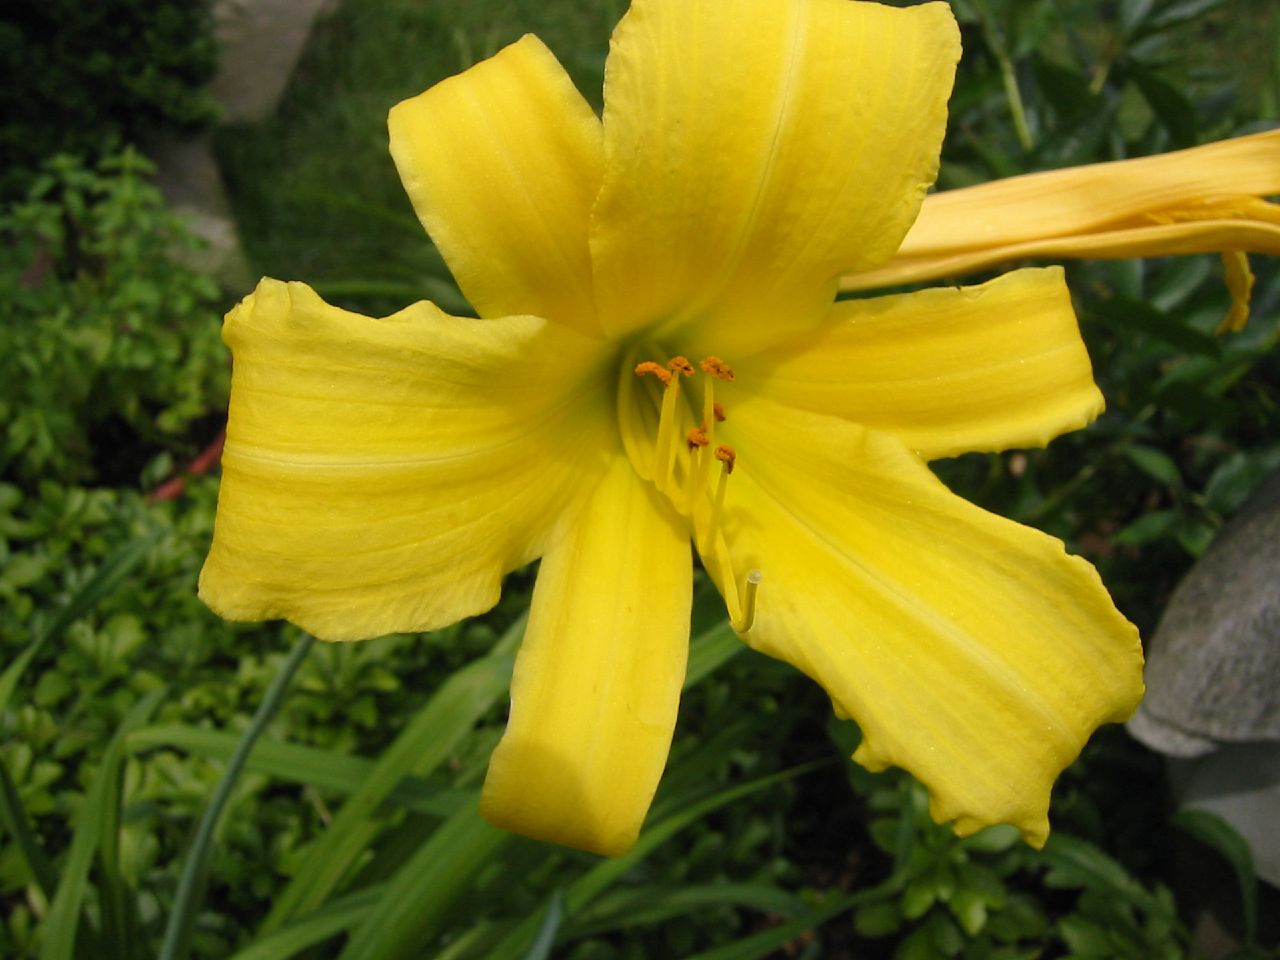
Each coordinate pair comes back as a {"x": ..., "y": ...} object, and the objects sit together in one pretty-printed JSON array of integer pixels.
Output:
[
  {"x": 1213, "y": 666},
  {"x": 261, "y": 41},
  {"x": 191, "y": 182}
]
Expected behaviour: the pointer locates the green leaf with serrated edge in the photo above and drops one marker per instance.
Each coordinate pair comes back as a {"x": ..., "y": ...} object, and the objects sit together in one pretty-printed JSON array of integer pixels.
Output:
[
  {"x": 423, "y": 746},
  {"x": 1212, "y": 830},
  {"x": 62, "y": 922}
]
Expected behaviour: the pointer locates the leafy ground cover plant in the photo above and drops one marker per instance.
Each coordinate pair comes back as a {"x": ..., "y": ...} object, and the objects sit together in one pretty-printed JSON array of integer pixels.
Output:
[
  {"x": 763, "y": 841},
  {"x": 109, "y": 350}
]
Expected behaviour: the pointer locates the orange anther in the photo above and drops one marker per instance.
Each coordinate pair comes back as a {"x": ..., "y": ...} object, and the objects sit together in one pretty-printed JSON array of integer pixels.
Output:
[
  {"x": 657, "y": 369},
  {"x": 719, "y": 411},
  {"x": 680, "y": 365},
  {"x": 727, "y": 456},
  {"x": 697, "y": 437},
  {"x": 717, "y": 368}
]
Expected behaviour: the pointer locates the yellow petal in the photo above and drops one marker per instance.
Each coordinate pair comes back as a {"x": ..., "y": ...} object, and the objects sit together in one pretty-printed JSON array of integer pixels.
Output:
[
  {"x": 947, "y": 370},
  {"x": 502, "y": 163},
  {"x": 597, "y": 681},
  {"x": 972, "y": 651},
  {"x": 1191, "y": 201},
  {"x": 753, "y": 154},
  {"x": 382, "y": 475}
]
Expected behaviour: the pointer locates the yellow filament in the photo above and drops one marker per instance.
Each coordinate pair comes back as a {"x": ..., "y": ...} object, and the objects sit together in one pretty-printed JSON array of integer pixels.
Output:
[
  {"x": 708, "y": 541},
  {"x": 668, "y": 431},
  {"x": 746, "y": 617}
]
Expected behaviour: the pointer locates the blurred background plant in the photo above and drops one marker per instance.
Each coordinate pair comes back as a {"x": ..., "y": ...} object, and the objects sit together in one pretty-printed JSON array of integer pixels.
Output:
[{"x": 352, "y": 830}]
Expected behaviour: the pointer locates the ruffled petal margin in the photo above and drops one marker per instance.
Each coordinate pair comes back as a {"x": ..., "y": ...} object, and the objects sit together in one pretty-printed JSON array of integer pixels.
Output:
[
  {"x": 597, "y": 680},
  {"x": 383, "y": 475},
  {"x": 972, "y": 651}
]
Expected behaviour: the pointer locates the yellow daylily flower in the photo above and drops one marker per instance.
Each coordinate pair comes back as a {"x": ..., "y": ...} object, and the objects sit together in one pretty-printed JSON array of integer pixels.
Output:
[
  {"x": 661, "y": 362},
  {"x": 1208, "y": 199}
]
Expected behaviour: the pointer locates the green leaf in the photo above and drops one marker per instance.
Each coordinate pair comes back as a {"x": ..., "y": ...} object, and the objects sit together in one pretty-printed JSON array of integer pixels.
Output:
[
  {"x": 1211, "y": 830},
  {"x": 1156, "y": 464},
  {"x": 62, "y": 923},
  {"x": 586, "y": 888},
  {"x": 650, "y": 904},
  {"x": 14, "y": 818},
  {"x": 1077, "y": 863},
  {"x": 711, "y": 650},
  {"x": 341, "y": 773},
  {"x": 422, "y": 747},
  {"x": 408, "y": 915},
  {"x": 878, "y": 919},
  {"x": 191, "y": 883},
  {"x": 546, "y": 939},
  {"x": 341, "y": 913},
  {"x": 103, "y": 582},
  {"x": 970, "y": 909},
  {"x": 1148, "y": 528}
]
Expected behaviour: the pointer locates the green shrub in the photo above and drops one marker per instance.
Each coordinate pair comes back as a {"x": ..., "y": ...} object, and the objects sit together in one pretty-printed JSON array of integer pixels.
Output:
[
  {"x": 109, "y": 350},
  {"x": 80, "y": 74}
]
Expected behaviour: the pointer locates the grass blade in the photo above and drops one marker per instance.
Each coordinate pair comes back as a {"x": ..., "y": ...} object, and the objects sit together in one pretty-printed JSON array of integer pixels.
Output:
[
  {"x": 546, "y": 938},
  {"x": 584, "y": 890},
  {"x": 340, "y": 773},
  {"x": 426, "y": 743},
  {"x": 711, "y": 650},
  {"x": 14, "y": 817},
  {"x": 411, "y": 909},
  {"x": 177, "y": 932},
  {"x": 341, "y": 914},
  {"x": 63, "y": 920}
]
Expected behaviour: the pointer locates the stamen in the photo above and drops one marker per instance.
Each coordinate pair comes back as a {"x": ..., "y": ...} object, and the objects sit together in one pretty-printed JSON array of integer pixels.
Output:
[
  {"x": 717, "y": 368},
  {"x": 717, "y": 411},
  {"x": 697, "y": 437},
  {"x": 668, "y": 427},
  {"x": 708, "y": 541},
  {"x": 657, "y": 369},
  {"x": 727, "y": 456},
  {"x": 749, "y": 590},
  {"x": 678, "y": 364}
]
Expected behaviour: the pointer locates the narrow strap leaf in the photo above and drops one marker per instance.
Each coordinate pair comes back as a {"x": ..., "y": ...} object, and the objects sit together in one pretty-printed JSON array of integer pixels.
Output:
[{"x": 177, "y": 932}]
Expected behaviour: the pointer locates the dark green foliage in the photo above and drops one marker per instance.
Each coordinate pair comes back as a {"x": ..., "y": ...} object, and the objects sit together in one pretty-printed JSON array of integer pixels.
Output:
[
  {"x": 109, "y": 349},
  {"x": 766, "y": 840},
  {"x": 78, "y": 76}
]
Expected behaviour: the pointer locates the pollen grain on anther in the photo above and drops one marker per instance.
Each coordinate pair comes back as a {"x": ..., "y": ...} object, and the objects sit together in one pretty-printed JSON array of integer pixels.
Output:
[
  {"x": 697, "y": 437},
  {"x": 657, "y": 369},
  {"x": 726, "y": 455},
  {"x": 719, "y": 411},
  {"x": 681, "y": 365},
  {"x": 717, "y": 368}
]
